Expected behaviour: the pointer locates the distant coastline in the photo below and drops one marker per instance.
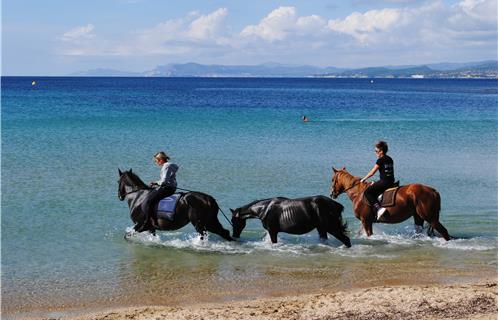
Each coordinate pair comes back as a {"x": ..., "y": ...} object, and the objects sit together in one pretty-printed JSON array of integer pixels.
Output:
[{"x": 471, "y": 70}]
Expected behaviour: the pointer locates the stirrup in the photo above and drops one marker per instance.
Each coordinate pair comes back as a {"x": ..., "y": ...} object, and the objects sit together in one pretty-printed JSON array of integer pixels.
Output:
[{"x": 380, "y": 213}]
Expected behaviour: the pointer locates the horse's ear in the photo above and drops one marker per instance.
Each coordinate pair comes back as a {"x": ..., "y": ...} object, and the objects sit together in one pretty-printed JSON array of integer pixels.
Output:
[
  {"x": 130, "y": 170},
  {"x": 335, "y": 170},
  {"x": 120, "y": 173},
  {"x": 234, "y": 213},
  {"x": 343, "y": 169}
]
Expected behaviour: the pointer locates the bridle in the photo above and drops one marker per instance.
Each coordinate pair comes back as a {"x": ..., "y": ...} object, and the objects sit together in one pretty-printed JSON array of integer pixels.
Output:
[
  {"x": 122, "y": 197},
  {"x": 351, "y": 186}
]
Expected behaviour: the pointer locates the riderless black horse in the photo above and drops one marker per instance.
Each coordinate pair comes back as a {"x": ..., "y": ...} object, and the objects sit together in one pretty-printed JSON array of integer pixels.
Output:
[
  {"x": 198, "y": 208},
  {"x": 294, "y": 216}
]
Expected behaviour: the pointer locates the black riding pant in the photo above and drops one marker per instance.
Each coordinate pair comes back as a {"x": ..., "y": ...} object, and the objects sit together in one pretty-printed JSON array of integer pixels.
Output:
[
  {"x": 150, "y": 203},
  {"x": 376, "y": 189}
]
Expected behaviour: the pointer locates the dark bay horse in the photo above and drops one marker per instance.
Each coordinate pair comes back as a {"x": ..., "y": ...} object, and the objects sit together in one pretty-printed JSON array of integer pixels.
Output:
[
  {"x": 198, "y": 208},
  {"x": 294, "y": 216},
  {"x": 417, "y": 200}
]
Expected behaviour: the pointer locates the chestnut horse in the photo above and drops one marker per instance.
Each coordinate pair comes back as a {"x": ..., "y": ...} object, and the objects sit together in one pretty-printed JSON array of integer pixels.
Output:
[{"x": 417, "y": 200}]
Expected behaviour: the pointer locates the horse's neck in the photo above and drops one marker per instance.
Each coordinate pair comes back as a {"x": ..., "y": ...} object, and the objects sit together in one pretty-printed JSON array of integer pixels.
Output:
[
  {"x": 355, "y": 192},
  {"x": 135, "y": 199},
  {"x": 256, "y": 210}
]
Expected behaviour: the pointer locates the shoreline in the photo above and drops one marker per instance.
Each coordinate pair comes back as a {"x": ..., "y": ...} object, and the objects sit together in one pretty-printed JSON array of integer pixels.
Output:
[{"x": 476, "y": 300}]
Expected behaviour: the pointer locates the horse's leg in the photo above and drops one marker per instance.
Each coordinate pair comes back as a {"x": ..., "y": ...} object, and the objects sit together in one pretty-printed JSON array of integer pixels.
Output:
[
  {"x": 200, "y": 228},
  {"x": 195, "y": 218},
  {"x": 322, "y": 233},
  {"x": 339, "y": 236},
  {"x": 216, "y": 227},
  {"x": 273, "y": 236},
  {"x": 419, "y": 223},
  {"x": 442, "y": 230},
  {"x": 429, "y": 210},
  {"x": 367, "y": 226}
]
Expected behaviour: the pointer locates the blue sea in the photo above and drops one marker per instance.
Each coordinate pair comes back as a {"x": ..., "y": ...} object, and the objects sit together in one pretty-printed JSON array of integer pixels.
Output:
[{"x": 237, "y": 139}]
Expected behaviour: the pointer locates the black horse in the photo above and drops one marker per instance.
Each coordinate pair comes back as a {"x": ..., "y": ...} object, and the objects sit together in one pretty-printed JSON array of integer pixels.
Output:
[
  {"x": 198, "y": 208},
  {"x": 294, "y": 216}
]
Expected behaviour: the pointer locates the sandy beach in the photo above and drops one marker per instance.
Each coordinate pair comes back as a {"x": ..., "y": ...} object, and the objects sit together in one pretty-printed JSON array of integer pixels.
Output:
[{"x": 457, "y": 301}]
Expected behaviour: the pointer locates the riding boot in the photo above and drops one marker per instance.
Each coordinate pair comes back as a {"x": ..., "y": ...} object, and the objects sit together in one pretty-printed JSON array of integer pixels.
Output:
[{"x": 380, "y": 211}]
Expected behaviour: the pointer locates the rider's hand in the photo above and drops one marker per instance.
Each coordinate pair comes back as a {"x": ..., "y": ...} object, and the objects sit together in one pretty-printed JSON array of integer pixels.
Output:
[{"x": 153, "y": 184}]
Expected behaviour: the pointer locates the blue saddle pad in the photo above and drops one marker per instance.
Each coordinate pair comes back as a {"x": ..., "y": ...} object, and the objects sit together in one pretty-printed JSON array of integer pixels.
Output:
[{"x": 166, "y": 207}]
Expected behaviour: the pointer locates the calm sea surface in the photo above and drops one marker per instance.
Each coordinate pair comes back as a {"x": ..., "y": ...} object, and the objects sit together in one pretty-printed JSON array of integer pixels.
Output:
[{"x": 63, "y": 140}]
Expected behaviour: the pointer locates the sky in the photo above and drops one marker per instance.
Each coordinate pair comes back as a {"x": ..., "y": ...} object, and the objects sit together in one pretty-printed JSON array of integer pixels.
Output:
[{"x": 59, "y": 37}]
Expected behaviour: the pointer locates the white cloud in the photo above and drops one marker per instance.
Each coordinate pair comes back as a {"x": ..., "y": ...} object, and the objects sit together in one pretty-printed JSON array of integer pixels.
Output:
[
  {"x": 430, "y": 30},
  {"x": 179, "y": 36},
  {"x": 79, "y": 33},
  {"x": 283, "y": 23},
  {"x": 364, "y": 26},
  {"x": 433, "y": 23},
  {"x": 273, "y": 27},
  {"x": 484, "y": 10},
  {"x": 207, "y": 26}
]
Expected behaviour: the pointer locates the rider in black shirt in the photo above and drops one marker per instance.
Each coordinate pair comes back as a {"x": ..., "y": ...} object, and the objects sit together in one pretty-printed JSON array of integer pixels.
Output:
[{"x": 385, "y": 165}]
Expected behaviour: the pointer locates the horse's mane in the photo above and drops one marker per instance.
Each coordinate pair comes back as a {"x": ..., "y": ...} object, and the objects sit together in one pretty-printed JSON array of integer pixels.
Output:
[
  {"x": 135, "y": 179},
  {"x": 349, "y": 176},
  {"x": 253, "y": 203}
]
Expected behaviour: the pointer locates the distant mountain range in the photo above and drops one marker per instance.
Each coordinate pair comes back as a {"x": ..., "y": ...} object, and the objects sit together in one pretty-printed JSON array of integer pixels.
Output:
[{"x": 481, "y": 69}]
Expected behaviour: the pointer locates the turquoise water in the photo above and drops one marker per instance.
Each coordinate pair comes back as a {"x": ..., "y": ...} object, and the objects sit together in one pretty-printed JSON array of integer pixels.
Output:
[{"x": 239, "y": 140}]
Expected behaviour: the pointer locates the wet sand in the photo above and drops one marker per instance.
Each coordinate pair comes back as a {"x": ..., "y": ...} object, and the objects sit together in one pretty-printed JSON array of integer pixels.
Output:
[{"x": 457, "y": 301}]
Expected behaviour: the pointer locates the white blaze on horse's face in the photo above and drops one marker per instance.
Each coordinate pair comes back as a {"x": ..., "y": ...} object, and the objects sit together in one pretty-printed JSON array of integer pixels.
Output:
[{"x": 335, "y": 188}]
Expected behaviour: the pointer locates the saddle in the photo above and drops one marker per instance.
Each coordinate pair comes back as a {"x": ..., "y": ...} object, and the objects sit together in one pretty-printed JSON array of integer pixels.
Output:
[
  {"x": 388, "y": 197},
  {"x": 166, "y": 207}
]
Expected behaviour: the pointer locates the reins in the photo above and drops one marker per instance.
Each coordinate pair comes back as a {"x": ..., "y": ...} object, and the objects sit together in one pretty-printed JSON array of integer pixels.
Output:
[{"x": 354, "y": 184}]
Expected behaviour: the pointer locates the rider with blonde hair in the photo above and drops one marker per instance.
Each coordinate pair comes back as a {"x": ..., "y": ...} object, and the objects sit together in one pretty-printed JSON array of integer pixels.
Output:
[{"x": 164, "y": 187}]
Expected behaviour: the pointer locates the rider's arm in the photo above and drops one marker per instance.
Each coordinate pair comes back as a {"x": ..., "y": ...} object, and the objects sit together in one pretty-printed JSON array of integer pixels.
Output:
[
  {"x": 371, "y": 173},
  {"x": 164, "y": 174}
]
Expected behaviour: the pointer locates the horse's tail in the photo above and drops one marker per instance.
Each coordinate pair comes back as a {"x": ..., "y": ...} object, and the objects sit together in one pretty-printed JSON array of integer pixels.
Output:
[
  {"x": 437, "y": 210},
  {"x": 438, "y": 202},
  {"x": 214, "y": 204},
  {"x": 431, "y": 211},
  {"x": 337, "y": 210}
]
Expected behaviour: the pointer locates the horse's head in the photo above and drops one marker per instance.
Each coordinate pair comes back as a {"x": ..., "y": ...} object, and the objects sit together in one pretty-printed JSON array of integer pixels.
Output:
[
  {"x": 337, "y": 184},
  {"x": 128, "y": 182},
  {"x": 237, "y": 222}
]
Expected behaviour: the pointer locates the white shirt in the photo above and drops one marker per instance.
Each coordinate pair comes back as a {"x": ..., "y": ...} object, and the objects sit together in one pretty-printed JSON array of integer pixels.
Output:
[{"x": 168, "y": 175}]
